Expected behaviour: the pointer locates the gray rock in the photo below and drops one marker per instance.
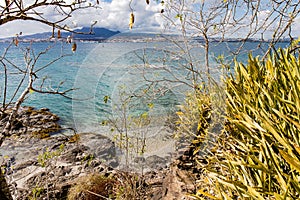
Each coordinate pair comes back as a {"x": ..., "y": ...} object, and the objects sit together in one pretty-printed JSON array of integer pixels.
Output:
[
  {"x": 156, "y": 162},
  {"x": 100, "y": 146}
]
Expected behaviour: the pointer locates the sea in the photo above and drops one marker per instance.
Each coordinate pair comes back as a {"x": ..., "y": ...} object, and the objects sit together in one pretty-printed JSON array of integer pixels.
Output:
[
  {"x": 129, "y": 88},
  {"x": 109, "y": 80}
]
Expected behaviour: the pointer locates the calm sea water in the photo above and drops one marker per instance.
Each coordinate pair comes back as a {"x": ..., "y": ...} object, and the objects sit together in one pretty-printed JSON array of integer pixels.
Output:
[{"x": 107, "y": 74}]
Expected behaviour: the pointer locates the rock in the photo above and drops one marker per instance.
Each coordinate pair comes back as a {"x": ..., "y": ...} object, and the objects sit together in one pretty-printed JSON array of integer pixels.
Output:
[
  {"x": 25, "y": 164},
  {"x": 155, "y": 162},
  {"x": 40, "y": 123},
  {"x": 44, "y": 109},
  {"x": 72, "y": 155},
  {"x": 101, "y": 146},
  {"x": 139, "y": 160}
]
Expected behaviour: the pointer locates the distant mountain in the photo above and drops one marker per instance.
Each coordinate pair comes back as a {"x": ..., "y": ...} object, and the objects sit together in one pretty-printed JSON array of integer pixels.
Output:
[{"x": 95, "y": 34}]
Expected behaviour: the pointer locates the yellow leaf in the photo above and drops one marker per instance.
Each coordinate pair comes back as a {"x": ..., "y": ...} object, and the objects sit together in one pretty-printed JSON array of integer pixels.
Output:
[
  {"x": 131, "y": 20},
  {"x": 106, "y": 98},
  {"x": 31, "y": 91},
  {"x": 58, "y": 34},
  {"x": 179, "y": 113},
  {"x": 16, "y": 41},
  {"x": 291, "y": 160},
  {"x": 150, "y": 105},
  {"x": 297, "y": 148},
  {"x": 144, "y": 115},
  {"x": 254, "y": 193},
  {"x": 74, "y": 47}
]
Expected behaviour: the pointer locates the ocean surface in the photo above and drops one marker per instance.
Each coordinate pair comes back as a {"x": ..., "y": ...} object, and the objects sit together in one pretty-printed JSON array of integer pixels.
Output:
[{"x": 110, "y": 79}]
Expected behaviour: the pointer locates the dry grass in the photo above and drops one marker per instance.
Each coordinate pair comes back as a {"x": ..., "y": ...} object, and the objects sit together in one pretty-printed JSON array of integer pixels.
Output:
[{"x": 92, "y": 187}]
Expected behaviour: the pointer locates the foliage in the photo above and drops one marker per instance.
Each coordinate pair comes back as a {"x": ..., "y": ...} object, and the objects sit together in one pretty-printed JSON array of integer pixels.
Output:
[
  {"x": 46, "y": 160},
  {"x": 36, "y": 192},
  {"x": 258, "y": 153},
  {"x": 45, "y": 157}
]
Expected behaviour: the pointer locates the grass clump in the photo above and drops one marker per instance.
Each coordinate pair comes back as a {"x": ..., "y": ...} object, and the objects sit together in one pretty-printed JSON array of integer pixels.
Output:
[
  {"x": 120, "y": 186},
  {"x": 92, "y": 187}
]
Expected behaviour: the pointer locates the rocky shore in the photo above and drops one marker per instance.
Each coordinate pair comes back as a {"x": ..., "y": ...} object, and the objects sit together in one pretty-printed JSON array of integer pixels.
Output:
[
  {"x": 38, "y": 166},
  {"x": 38, "y": 123}
]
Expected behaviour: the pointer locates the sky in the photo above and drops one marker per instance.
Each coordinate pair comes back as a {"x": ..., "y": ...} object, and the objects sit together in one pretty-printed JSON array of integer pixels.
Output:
[
  {"x": 114, "y": 15},
  {"x": 111, "y": 14}
]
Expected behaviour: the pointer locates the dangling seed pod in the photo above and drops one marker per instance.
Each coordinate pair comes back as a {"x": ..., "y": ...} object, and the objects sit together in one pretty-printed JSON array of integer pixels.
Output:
[
  {"x": 74, "y": 47},
  {"x": 131, "y": 20},
  {"x": 7, "y": 2},
  {"x": 58, "y": 34},
  {"x": 16, "y": 41}
]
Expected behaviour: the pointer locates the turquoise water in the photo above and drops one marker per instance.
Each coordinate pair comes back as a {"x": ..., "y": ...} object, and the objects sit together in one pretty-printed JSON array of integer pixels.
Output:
[
  {"x": 64, "y": 70},
  {"x": 113, "y": 70}
]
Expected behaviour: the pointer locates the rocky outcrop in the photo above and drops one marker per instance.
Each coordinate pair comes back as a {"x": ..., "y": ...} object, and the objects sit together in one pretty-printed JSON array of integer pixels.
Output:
[
  {"x": 49, "y": 167},
  {"x": 39, "y": 123}
]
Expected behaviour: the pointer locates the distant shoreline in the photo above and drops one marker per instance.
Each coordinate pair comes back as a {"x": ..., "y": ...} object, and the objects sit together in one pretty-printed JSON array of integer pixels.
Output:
[{"x": 158, "y": 38}]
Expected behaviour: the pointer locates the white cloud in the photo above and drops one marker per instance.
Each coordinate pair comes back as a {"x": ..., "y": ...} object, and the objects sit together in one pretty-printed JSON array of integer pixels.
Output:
[
  {"x": 296, "y": 28},
  {"x": 115, "y": 15},
  {"x": 26, "y": 27},
  {"x": 112, "y": 15}
]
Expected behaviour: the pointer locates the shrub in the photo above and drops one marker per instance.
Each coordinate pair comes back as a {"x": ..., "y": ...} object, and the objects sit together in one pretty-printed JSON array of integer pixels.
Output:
[{"x": 259, "y": 152}]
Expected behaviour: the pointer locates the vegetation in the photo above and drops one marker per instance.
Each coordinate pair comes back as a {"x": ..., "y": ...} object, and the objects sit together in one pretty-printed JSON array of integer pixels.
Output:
[
  {"x": 93, "y": 186},
  {"x": 194, "y": 118},
  {"x": 258, "y": 152},
  {"x": 128, "y": 129},
  {"x": 120, "y": 186}
]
